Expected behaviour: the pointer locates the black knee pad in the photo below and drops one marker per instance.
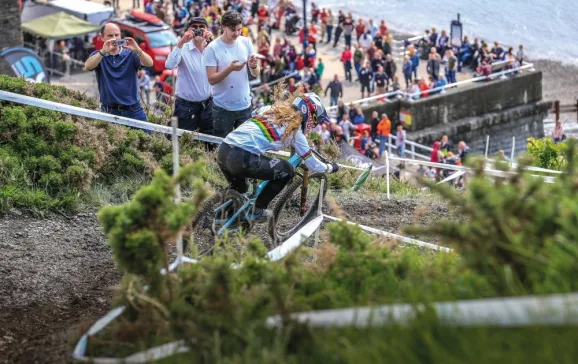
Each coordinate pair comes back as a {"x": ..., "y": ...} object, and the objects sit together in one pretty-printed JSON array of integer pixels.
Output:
[{"x": 283, "y": 170}]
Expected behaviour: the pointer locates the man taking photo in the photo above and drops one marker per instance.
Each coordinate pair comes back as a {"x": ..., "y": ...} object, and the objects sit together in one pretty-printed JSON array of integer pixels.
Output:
[
  {"x": 116, "y": 66},
  {"x": 194, "y": 103}
]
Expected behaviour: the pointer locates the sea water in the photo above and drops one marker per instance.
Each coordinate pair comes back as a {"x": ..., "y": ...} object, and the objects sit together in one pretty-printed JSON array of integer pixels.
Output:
[{"x": 548, "y": 29}]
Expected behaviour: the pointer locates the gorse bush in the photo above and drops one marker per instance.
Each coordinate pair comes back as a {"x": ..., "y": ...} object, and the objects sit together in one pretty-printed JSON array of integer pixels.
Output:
[
  {"x": 518, "y": 237},
  {"x": 139, "y": 230},
  {"x": 546, "y": 153},
  {"x": 50, "y": 160},
  {"x": 518, "y": 231}
]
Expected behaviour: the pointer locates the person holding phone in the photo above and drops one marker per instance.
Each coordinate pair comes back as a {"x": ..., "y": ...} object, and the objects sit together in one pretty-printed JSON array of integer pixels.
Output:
[
  {"x": 116, "y": 65},
  {"x": 228, "y": 61},
  {"x": 194, "y": 103}
]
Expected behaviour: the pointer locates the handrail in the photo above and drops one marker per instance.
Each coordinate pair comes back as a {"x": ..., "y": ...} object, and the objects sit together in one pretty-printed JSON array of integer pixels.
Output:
[
  {"x": 371, "y": 98},
  {"x": 408, "y": 95}
]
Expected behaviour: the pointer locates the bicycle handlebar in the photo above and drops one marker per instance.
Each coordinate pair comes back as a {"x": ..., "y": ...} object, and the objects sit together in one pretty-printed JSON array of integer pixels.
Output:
[{"x": 319, "y": 155}]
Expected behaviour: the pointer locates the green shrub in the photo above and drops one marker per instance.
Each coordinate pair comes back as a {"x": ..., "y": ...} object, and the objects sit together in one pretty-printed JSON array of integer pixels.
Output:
[
  {"x": 518, "y": 231},
  {"x": 546, "y": 153},
  {"x": 64, "y": 155}
]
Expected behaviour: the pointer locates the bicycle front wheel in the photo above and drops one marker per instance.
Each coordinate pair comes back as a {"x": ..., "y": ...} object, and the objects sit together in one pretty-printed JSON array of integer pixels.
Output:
[
  {"x": 213, "y": 214},
  {"x": 289, "y": 213}
]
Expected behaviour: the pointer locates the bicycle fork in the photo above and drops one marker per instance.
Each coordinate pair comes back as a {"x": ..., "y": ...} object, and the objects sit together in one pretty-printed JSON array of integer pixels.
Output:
[{"x": 304, "y": 188}]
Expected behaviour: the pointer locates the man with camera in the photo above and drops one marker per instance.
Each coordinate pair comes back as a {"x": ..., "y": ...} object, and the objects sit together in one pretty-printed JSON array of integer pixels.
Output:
[
  {"x": 194, "y": 103},
  {"x": 116, "y": 65}
]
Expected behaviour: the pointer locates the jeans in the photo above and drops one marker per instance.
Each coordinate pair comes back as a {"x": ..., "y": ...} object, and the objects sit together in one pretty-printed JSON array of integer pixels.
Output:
[
  {"x": 382, "y": 142},
  {"x": 329, "y": 31},
  {"x": 401, "y": 150},
  {"x": 357, "y": 66},
  {"x": 333, "y": 101},
  {"x": 407, "y": 80},
  {"x": 347, "y": 67},
  {"x": 347, "y": 40},
  {"x": 226, "y": 121},
  {"x": 195, "y": 116},
  {"x": 451, "y": 76},
  {"x": 414, "y": 73},
  {"x": 237, "y": 165}
]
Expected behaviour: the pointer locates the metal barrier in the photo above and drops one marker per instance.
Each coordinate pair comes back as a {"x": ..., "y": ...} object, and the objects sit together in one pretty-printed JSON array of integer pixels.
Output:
[{"x": 414, "y": 96}]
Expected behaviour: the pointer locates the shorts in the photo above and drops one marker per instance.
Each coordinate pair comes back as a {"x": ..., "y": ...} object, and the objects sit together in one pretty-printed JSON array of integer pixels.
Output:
[{"x": 365, "y": 86}]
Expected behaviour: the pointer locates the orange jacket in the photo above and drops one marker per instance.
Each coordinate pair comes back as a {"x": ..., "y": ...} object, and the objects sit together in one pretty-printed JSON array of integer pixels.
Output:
[{"x": 384, "y": 127}]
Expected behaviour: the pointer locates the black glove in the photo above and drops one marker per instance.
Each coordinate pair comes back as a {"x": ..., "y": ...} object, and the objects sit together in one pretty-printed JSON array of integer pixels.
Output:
[{"x": 334, "y": 167}]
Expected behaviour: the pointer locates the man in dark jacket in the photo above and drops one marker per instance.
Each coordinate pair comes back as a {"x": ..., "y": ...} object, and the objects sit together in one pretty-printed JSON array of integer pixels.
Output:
[
  {"x": 433, "y": 64},
  {"x": 389, "y": 67},
  {"x": 336, "y": 90},
  {"x": 365, "y": 78}
]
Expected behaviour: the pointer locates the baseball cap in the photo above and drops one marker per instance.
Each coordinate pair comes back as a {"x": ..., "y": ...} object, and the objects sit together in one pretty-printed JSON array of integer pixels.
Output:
[{"x": 198, "y": 20}]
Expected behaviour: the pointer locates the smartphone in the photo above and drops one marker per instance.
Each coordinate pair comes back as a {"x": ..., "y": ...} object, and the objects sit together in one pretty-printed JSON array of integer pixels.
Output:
[{"x": 120, "y": 43}]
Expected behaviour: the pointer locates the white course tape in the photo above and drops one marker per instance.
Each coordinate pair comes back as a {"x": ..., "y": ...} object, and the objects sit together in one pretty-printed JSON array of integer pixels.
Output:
[
  {"x": 296, "y": 240},
  {"x": 561, "y": 309},
  {"x": 394, "y": 236},
  {"x": 452, "y": 176},
  {"x": 167, "y": 350}
]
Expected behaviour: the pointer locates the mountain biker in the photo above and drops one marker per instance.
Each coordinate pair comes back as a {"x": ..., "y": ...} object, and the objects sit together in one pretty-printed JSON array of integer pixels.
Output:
[{"x": 272, "y": 128}]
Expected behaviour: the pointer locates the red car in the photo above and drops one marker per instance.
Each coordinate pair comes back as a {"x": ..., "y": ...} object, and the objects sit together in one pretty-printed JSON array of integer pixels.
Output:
[{"x": 155, "y": 37}]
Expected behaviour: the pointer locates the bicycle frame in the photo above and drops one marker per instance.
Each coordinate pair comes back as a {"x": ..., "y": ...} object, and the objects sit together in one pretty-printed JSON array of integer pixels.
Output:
[{"x": 295, "y": 161}]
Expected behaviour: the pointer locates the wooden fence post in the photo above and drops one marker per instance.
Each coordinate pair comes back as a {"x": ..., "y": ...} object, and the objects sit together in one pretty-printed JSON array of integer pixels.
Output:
[{"x": 557, "y": 109}]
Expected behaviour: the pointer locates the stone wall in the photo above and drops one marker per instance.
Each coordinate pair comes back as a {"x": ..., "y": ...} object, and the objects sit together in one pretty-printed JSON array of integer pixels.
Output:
[
  {"x": 500, "y": 108},
  {"x": 474, "y": 100},
  {"x": 521, "y": 122}
]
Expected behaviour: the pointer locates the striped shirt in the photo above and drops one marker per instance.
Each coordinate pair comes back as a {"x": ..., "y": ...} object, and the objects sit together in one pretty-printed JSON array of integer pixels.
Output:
[{"x": 259, "y": 135}]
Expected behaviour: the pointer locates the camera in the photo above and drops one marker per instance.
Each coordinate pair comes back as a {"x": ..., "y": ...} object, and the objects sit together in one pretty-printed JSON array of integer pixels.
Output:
[
  {"x": 198, "y": 32},
  {"x": 120, "y": 43}
]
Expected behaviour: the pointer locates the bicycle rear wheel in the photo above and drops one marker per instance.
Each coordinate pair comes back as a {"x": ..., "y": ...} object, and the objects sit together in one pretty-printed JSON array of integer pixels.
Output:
[
  {"x": 211, "y": 217},
  {"x": 288, "y": 217}
]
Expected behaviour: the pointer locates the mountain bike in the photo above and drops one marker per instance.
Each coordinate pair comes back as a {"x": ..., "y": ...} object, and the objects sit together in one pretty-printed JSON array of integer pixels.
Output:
[{"x": 225, "y": 212}]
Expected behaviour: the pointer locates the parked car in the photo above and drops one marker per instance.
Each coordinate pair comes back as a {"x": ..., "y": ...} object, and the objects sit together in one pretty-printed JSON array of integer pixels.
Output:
[{"x": 155, "y": 37}]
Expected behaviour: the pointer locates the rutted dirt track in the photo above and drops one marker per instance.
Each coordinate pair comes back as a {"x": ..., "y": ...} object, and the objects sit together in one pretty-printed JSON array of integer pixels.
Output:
[{"x": 57, "y": 274}]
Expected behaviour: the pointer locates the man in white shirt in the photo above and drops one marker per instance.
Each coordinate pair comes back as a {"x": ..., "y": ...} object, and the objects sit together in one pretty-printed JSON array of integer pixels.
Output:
[
  {"x": 228, "y": 61},
  {"x": 194, "y": 104}
]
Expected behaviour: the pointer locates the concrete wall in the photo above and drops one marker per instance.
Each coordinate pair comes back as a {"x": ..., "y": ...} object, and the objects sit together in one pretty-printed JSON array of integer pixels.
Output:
[
  {"x": 521, "y": 122},
  {"x": 500, "y": 108},
  {"x": 475, "y": 100}
]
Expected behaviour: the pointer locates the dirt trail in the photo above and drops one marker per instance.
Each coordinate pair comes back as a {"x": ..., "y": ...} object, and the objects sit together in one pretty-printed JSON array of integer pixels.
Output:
[{"x": 57, "y": 274}]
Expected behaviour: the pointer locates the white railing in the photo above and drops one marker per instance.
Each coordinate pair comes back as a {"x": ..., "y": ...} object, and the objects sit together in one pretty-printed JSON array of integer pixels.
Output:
[{"x": 441, "y": 89}]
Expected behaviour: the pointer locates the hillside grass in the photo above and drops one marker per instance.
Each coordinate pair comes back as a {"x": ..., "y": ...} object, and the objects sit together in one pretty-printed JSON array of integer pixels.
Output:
[{"x": 57, "y": 162}]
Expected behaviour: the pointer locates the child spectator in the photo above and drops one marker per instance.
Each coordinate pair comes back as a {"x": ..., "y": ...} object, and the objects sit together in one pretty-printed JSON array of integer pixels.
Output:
[
  {"x": 325, "y": 134},
  {"x": 407, "y": 70},
  {"x": 359, "y": 117},
  {"x": 347, "y": 127},
  {"x": 400, "y": 141},
  {"x": 364, "y": 141},
  {"x": 520, "y": 55}
]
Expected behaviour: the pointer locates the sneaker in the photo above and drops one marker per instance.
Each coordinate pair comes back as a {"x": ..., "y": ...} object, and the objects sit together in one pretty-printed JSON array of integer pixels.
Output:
[{"x": 260, "y": 216}]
